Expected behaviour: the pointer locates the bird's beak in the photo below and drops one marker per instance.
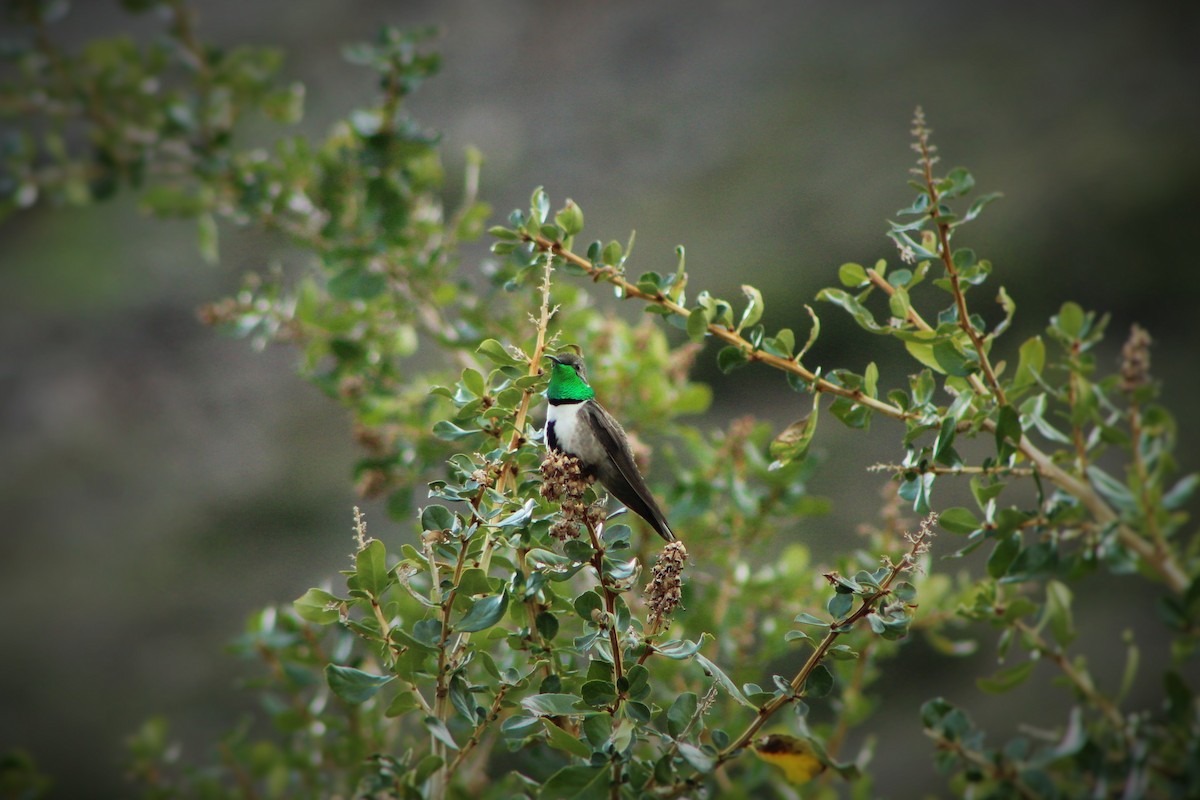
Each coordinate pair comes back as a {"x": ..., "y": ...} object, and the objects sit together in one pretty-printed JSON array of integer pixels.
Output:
[{"x": 552, "y": 358}]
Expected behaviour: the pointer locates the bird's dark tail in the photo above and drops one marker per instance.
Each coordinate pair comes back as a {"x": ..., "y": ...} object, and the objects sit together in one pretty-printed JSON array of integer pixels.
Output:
[{"x": 647, "y": 510}]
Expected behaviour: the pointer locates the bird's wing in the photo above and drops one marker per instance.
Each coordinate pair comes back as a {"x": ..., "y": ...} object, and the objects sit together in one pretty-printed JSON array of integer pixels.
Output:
[{"x": 627, "y": 484}]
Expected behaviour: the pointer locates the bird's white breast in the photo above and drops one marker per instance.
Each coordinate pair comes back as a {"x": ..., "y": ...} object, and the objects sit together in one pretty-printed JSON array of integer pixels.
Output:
[{"x": 567, "y": 426}]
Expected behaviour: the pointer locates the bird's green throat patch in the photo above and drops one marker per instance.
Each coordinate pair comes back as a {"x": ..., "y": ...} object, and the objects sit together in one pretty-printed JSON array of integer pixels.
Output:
[{"x": 566, "y": 385}]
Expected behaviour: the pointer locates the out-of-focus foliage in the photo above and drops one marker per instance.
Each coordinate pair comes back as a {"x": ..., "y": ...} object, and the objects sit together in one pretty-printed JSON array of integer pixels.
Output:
[{"x": 505, "y": 647}]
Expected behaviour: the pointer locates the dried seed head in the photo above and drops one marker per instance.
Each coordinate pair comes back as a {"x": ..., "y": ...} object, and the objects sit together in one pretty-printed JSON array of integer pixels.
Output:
[
  {"x": 564, "y": 530},
  {"x": 563, "y": 478},
  {"x": 595, "y": 514},
  {"x": 664, "y": 591},
  {"x": 1135, "y": 359}
]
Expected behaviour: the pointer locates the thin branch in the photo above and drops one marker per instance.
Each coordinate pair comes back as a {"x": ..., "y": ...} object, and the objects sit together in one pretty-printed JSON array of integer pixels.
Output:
[
  {"x": 919, "y": 544},
  {"x": 1159, "y": 559},
  {"x": 1161, "y": 562},
  {"x": 723, "y": 332},
  {"x": 937, "y": 469},
  {"x": 610, "y": 607},
  {"x": 1081, "y": 680},
  {"x": 477, "y": 734},
  {"x": 926, "y": 161},
  {"x": 985, "y": 765}
]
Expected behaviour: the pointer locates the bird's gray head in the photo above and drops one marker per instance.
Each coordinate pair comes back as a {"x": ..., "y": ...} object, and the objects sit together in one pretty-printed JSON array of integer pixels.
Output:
[{"x": 572, "y": 360}]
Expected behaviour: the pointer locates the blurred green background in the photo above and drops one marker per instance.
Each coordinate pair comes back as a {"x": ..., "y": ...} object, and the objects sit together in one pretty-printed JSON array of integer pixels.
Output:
[{"x": 161, "y": 482}]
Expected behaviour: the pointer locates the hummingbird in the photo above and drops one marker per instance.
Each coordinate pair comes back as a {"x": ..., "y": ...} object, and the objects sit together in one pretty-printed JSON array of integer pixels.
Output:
[{"x": 579, "y": 426}]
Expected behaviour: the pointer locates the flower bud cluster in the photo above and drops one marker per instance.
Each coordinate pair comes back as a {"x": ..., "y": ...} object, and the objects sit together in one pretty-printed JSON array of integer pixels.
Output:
[{"x": 1135, "y": 359}]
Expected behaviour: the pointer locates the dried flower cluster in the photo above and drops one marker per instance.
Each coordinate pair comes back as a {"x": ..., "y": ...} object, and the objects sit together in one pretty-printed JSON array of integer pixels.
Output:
[
  {"x": 663, "y": 593},
  {"x": 1135, "y": 359},
  {"x": 564, "y": 481},
  {"x": 921, "y": 541}
]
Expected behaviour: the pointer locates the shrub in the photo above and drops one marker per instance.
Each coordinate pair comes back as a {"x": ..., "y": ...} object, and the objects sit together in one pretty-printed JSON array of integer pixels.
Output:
[{"x": 517, "y": 641}]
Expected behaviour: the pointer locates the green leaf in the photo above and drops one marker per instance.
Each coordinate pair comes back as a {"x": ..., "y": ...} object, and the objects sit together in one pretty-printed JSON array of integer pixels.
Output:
[
  {"x": 547, "y": 625},
  {"x": 318, "y": 607},
  {"x": 862, "y": 316},
  {"x": 1113, "y": 490},
  {"x": 1069, "y": 320},
  {"x": 905, "y": 592},
  {"x": 353, "y": 685},
  {"x": 570, "y": 218},
  {"x": 440, "y": 732},
  {"x": 839, "y": 605},
  {"x": 730, "y": 358},
  {"x": 638, "y": 678},
  {"x": 782, "y": 344},
  {"x": 559, "y": 739},
  {"x": 681, "y": 713},
  {"x": 1008, "y": 428},
  {"x": 587, "y": 604},
  {"x": 899, "y": 304},
  {"x": 539, "y": 205},
  {"x": 813, "y": 333},
  {"x": 754, "y": 307},
  {"x": 1003, "y": 555},
  {"x": 978, "y": 205},
  {"x": 916, "y": 488},
  {"x": 370, "y": 568},
  {"x": 1034, "y": 410},
  {"x": 698, "y": 759},
  {"x": 842, "y": 652},
  {"x": 504, "y": 234},
  {"x": 958, "y": 520},
  {"x": 611, "y": 254},
  {"x": 496, "y": 353},
  {"x": 1030, "y": 363},
  {"x": 447, "y": 431},
  {"x": 723, "y": 679},
  {"x": 943, "y": 448},
  {"x": 852, "y": 275},
  {"x": 793, "y": 442},
  {"x": 819, "y": 682},
  {"x": 1181, "y": 492},
  {"x": 870, "y": 384},
  {"x": 957, "y": 182},
  {"x": 484, "y": 613},
  {"x": 518, "y": 518},
  {"x": 401, "y": 704},
  {"x": 474, "y": 382},
  {"x": 577, "y": 783},
  {"x": 697, "y": 324},
  {"x": 650, "y": 283},
  {"x": 940, "y": 355},
  {"x": 1057, "y": 612},
  {"x": 597, "y": 730},
  {"x": 437, "y": 518},
  {"x": 552, "y": 704},
  {"x": 1007, "y": 678},
  {"x": 598, "y": 693},
  {"x": 677, "y": 649}
]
